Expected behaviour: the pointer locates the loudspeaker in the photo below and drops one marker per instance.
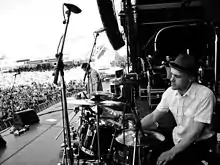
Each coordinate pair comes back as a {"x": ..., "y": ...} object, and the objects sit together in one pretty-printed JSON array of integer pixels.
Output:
[
  {"x": 2, "y": 142},
  {"x": 26, "y": 117},
  {"x": 212, "y": 10},
  {"x": 109, "y": 21}
]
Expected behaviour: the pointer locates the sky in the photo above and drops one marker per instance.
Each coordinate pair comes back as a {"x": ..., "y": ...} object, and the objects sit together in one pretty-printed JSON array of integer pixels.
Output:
[{"x": 32, "y": 28}]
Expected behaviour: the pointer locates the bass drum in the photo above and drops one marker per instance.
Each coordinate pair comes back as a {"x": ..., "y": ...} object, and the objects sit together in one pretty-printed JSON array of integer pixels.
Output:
[{"x": 88, "y": 139}]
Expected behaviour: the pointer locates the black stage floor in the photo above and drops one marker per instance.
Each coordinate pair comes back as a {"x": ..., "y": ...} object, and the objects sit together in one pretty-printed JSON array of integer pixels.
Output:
[{"x": 39, "y": 145}]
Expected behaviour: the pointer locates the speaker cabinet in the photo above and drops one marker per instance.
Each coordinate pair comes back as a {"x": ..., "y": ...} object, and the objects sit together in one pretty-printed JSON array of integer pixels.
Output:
[
  {"x": 26, "y": 117},
  {"x": 212, "y": 10},
  {"x": 2, "y": 142},
  {"x": 109, "y": 21}
]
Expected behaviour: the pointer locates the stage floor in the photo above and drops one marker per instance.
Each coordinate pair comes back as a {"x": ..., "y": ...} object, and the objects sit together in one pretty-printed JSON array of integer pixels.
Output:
[{"x": 39, "y": 145}]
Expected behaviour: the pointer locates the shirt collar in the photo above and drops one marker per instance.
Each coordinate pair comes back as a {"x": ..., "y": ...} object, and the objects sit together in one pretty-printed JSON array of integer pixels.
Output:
[{"x": 190, "y": 92}]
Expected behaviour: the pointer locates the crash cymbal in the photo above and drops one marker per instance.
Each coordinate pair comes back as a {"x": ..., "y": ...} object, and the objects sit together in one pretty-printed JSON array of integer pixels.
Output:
[
  {"x": 150, "y": 138},
  {"x": 85, "y": 102}
]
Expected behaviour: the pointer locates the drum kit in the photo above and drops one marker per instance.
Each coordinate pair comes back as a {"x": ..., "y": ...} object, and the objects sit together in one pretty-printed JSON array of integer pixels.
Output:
[{"x": 106, "y": 133}]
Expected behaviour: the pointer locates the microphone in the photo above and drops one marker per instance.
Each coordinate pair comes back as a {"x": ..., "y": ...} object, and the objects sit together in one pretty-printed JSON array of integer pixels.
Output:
[
  {"x": 100, "y": 30},
  {"x": 17, "y": 73},
  {"x": 73, "y": 8}
]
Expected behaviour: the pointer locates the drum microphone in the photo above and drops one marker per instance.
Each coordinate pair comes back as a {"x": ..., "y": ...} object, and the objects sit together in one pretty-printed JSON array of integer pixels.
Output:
[
  {"x": 100, "y": 30},
  {"x": 72, "y": 8}
]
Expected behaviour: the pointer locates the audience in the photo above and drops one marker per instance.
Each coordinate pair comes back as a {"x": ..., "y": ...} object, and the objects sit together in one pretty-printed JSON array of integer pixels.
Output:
[{"x": 29, "y": 90}]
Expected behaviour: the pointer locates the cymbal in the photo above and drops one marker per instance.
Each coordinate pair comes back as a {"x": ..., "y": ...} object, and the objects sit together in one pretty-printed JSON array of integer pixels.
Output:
[
  {"x": 111, "y": 123},
  {"x": 102, "y": 93},
  {"x": 101, "y": 96},
  {"x": 150, "y": 138},
  {"x": 110, "y": 103},
  {"x": 85, "y": 102},
  {"x": 110, "y": 113},
  {"x": 115, "y": 105}
]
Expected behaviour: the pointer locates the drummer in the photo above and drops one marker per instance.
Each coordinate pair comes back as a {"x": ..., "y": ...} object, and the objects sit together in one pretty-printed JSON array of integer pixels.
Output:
[{"x": 192, "y": 106}]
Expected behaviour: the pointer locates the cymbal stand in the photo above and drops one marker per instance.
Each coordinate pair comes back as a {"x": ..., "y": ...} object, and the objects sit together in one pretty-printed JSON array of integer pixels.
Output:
[
  {"x": 12, "y": 98},
  {"x": 98, "y": 111},
  {"x": 90, "y": 59},
  {"x": 59, "y": 69},
  {"x": 123, "y": 128},
  {"x": 97, "y": 130},
  {"x": 138, "y": 128},
  {"x": 112, "y": 142}
]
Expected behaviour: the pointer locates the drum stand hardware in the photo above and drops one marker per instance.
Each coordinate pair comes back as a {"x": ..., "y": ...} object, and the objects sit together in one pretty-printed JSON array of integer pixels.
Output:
[{"x": 138, "y": 128}]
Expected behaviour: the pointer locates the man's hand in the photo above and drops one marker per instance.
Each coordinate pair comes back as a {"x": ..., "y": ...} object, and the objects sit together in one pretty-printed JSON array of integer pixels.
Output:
[{"x": 165, "y": 157}]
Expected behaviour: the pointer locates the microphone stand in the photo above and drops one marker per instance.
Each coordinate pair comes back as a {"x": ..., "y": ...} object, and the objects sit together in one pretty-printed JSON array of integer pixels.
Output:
[
  {"x": 59, "y": 69},
  {"x": 90, "y": 59},
  {"x": 12, "y": 97},
  {"x": 97, "y": 99}
]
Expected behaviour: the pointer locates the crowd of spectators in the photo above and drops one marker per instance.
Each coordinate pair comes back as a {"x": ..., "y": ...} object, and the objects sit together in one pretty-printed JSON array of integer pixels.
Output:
[
  {"x": 29, "y": 90},
  {"x": 24, "y": 97}
]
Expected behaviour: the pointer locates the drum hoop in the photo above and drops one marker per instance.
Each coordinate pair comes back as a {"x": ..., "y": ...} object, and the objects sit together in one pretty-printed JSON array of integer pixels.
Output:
[{"x": 87, "y": 151}]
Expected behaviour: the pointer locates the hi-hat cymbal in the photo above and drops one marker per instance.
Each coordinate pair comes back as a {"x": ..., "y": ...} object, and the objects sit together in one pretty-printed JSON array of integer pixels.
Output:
[
  {"x": 150, "y": 138},
  {"x": 85, "y": 102}
]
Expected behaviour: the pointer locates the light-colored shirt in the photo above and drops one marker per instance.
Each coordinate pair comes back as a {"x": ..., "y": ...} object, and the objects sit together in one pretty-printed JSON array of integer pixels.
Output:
[
  {"x": 95, "y": 82},
  {"x": 197, "y": 104}
]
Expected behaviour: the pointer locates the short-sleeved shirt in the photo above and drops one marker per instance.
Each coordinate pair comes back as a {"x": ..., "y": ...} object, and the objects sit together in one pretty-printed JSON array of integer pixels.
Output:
[
  {"x": 197, "y": 104},
  {"x": 95, "y": 82}
]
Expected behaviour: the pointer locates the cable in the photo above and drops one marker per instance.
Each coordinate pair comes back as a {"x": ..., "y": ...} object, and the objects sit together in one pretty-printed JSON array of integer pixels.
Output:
[{"x": 59, "y": 44}]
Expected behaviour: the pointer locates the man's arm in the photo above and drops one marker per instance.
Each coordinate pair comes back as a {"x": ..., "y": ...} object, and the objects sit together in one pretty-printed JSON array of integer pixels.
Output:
[
  {"x": 151, "y": 118},
  {"x": 195, "y": 131},
  {"x": 193, "y": 134}
]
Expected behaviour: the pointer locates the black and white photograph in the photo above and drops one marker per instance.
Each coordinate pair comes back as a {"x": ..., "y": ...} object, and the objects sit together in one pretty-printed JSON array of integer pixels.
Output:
[{"x": 109, "y": 82}]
